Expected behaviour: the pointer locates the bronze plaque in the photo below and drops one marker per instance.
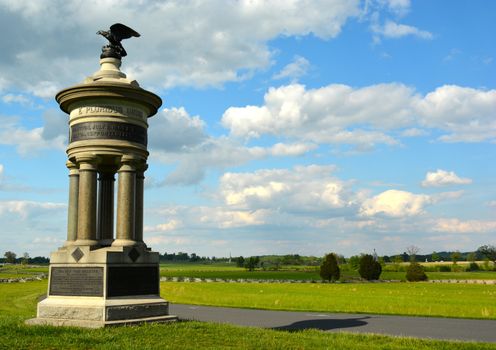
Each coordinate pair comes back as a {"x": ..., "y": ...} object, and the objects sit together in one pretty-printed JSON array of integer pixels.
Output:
[
  {"x": 76, "y": 281},
  {"x": 108, "y": 130},
  {"x": 132, "y": 280}
]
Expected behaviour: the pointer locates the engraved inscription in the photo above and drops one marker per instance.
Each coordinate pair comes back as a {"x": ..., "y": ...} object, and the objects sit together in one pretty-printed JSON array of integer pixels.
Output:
[
  {"x": 76, "y": 281},
  {"x": 132, "y": 280},
  {"x": 111, "y": 109},
  {"x": 108, "y": 130}
]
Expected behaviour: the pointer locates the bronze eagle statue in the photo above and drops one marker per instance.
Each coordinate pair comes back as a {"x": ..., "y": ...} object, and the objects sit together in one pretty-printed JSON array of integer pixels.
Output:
[{"x": 115, "y": 35}]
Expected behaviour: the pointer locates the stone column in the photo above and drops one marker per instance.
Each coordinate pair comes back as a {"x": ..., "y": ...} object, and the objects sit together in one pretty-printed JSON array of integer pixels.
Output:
[
  {"x": 126, "y": 203},
  {"x": 86, "y": 223},
  {"x": 140, "y": 187},
  {"x": 105, "y": 213},
  {"x": 72, "y": 212}
]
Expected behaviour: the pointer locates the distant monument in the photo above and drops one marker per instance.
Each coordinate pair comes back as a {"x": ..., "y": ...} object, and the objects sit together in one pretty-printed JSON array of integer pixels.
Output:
[{"x": 97, "y": 279}]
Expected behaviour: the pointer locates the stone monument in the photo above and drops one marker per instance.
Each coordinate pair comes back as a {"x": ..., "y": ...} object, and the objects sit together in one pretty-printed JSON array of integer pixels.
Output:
[{"x": 96, "y": 279}]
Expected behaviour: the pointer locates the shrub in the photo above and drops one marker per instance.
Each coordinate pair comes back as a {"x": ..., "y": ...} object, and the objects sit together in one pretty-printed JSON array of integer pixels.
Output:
[
  {"x": 329, "y": 270},
  {"x": 473, "y": 267},
  {"x": 369, "y": 268},
  {"x": 444, "y": 268},
  {"x": 415, "y": 272}
]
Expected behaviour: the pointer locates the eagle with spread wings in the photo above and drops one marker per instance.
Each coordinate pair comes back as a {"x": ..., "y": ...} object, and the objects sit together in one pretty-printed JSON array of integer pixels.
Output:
[{"x": 116, "y": 34}]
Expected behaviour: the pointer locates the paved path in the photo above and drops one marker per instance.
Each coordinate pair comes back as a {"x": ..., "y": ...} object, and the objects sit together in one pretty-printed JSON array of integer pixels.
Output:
[{"x": 421, "y": 327}]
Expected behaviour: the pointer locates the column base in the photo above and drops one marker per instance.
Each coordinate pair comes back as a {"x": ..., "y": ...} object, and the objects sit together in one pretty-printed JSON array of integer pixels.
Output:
[
  {"x": 124, "y": 243},
  {"x": 85, "y": 242}
]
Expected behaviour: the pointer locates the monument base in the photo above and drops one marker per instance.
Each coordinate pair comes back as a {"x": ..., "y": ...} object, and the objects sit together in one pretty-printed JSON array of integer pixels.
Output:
[
  {"x": 98, "y": 287},
  {"x": 91, "y": 313}
]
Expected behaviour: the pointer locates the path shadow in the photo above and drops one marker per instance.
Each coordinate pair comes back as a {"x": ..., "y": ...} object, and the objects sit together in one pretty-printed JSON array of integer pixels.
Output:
[{"x": 324, "y": 324}]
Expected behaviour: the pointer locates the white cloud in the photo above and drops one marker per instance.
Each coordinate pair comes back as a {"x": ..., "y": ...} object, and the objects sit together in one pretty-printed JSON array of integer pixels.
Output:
[
  {"x": 301, "y": 190},
  {"x": 31, "y": 141},
  {"x": 444, "y": 178},
  {"x": 28, "y": 209},
  {"x": 203, "y": 43},
  {"x": 16, "y": 98},
  {"x": 174, "y": 130},
  {"x": 294, "y": 70},
  {"x": 393, "y": 30},
  {"x": 467, "y": 114},
  {"x": 164, "y": 227},
  {"x": 454, "y": 225},
  {"x": 395, "y": 203},
  {"x": 364, "y": 117}
]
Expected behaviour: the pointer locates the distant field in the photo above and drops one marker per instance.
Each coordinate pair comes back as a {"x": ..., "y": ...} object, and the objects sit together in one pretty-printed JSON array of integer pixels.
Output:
[
  {"x": 18, "y": 302},
  {"x": 20, "y": 271},
  {"x": 303, "y": 273},
  {"x": 419, "y": 299}
]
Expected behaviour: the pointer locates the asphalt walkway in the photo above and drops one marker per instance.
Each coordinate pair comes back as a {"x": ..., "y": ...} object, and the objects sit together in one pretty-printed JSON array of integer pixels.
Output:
[{"x": 420, "y": 327}]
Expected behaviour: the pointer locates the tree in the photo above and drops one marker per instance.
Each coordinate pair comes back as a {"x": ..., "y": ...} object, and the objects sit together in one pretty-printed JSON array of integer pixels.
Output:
[
  {"x": 329, "y": 270},
  {"x": 412, "y": 251},
  {"x": 10, "y": 257},
  {"x": 415, "y": 272},
  {"x": 455, "y": 257},
  {"x": 398, "y": 259},
  {"x": 251, "y": 263},
  {"x": 25, "y": 259},
  {"x": 471, "y": 257},
  {"x": 240, "y": 261},
  {"x": 435, "y": 256},
  {"x": 369, "y": 268},
  {"x": 489, "y": 251}
]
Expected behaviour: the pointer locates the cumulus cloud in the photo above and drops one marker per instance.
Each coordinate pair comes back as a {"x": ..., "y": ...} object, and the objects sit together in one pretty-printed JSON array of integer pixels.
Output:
[
  {"x": 393, "y": 30},
  {"x": 367, "y": 116},
  {"x": 303, "y": 189},
  {"x": 164, "y": 227},
  {"x": 294, "y": 70},
  {"x": 467, "y": 114},
  {"x": 395, "y": 203},
  {"x": 443, "y": 178},
  {"x": 180, "y": 139},
  {"x": 31, "y": 141},
  {"x": 174, "y": 130},
  {"x": 203, "y": 43},
  {"x": 454, "y": 225},
  {"x": 28, "y": 209}
]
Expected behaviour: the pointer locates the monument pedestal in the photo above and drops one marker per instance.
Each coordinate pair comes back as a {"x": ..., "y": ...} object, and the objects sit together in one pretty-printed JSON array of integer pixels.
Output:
[{"x": 103, "y": 287}]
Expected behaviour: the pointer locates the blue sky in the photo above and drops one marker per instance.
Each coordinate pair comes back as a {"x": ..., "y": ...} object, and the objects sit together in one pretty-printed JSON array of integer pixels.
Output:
[{"x": 287, "y": 126}]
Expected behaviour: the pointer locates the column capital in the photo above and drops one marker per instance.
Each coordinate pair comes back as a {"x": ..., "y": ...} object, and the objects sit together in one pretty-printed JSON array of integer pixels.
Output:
[
  {"x": 129, "y": 163},
  {"x": 87, "y": 161},
  {"x": 73, "y": 168}
]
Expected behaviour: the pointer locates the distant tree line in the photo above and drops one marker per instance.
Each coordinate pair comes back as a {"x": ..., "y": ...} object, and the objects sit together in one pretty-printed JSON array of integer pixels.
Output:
[{"x": 12, "y": 258}]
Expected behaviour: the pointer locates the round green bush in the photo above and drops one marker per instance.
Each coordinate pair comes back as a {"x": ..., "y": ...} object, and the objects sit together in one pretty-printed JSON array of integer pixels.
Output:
[
  {"x": 415, "y": 272},
  {"x": 369, "y": 269},
  {"x": 473, "y": 267}
]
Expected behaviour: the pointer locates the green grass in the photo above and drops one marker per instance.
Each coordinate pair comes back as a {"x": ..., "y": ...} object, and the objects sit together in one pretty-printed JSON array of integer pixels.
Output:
[
  {"x": 415, "y": 299},
  {"x": 199, "y": 271},
  {"x": 20, "y": 271},
  {"x": 18, "y": 302}
]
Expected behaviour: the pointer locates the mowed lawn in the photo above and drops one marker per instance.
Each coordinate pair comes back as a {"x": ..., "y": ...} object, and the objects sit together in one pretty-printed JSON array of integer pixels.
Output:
[
  {"x": 18, "y": 302},
  {"x": 419, "y": 299}
]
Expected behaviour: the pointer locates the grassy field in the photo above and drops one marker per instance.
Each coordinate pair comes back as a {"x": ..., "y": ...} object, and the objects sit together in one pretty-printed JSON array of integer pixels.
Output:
[
  {"x": 419, "y": 299},
  {"x": 20, "y": 271},
  {"x": 303, "y": 273},
  {"x": 18, "y": 302}
]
